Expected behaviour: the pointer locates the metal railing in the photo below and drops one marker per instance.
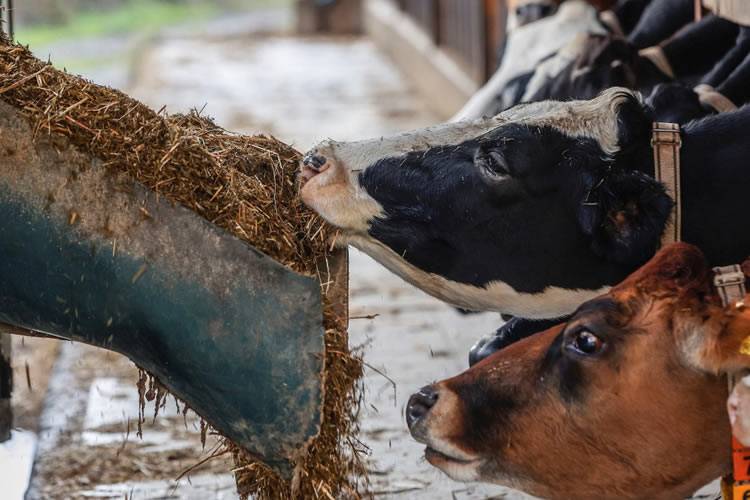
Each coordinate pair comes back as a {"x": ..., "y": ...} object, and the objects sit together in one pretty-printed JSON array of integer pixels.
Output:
[{"x": 469, "y": 31}]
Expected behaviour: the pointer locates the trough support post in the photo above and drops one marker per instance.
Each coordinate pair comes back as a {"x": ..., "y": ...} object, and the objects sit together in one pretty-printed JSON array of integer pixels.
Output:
[
  {"x": 6, "y": 14},
  {"x": 6, "y": 385}
]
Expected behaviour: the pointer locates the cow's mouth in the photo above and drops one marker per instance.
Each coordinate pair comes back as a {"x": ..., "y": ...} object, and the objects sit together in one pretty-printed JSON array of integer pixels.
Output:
[
  {"x": 309, "y": 171},
  {"x": 328, "y": 188},
  {"x": 432, "y": 455},
  {"x": 314, "y": 163}
]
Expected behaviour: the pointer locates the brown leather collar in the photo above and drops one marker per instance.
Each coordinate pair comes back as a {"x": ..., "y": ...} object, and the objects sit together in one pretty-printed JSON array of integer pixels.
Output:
[
  {"x": 610, "y": 20},
  {"x": 666, "y": 143},
  {"x": 655, "y": 54},
  {"x": 730, "y": 283},
  {"x": 708, "y": 95}
]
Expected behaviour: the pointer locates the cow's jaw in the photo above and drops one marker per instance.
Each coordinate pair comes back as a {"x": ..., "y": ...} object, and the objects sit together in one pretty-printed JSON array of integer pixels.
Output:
[{"x": 495, "y": 296}]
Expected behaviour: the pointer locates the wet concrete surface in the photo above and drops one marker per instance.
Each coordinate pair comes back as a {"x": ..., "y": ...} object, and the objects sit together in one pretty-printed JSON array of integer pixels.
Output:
[
  {"x": 109, "y": 60},
  {"x": 88, "y": 447},
  {"x": 414, "y": 340},
  {"x": 302, "y": 90}
]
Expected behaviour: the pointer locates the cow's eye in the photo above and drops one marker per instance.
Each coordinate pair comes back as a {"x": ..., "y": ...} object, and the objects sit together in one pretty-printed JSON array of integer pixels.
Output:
[
  {"x": 585, "y": 342},
  {"x": 493, "y": 164}
]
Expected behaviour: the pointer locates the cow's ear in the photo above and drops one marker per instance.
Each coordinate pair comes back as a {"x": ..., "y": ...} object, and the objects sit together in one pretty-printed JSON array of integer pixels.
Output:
[
  {"x": 625, "y": 215},
  {"x": 634, "y": 122},
  {"x": 721, "y": 343}
]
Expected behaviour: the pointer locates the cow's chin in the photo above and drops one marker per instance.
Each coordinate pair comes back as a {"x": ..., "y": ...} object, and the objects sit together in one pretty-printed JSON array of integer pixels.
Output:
[
  {"x": 456, "y": 462},
  {"x": 332, "y": 194},
  {"x": 456, "y": 468}
]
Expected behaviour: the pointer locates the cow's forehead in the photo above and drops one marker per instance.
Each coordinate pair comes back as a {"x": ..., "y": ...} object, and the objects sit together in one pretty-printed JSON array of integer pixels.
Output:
[{"x": 595, "y": 119}]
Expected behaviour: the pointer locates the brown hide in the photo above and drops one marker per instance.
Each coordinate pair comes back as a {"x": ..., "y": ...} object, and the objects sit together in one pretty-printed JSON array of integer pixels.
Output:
[{"x": 637, "y": 419}]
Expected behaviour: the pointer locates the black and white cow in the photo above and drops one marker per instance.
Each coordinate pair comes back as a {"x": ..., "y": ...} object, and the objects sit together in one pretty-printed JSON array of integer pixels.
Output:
[
  {"x": 603, "y": 61},
  {"x": 627, "y": 14},
  {"x": 524, "y": 48},
  {"x": 535, "y": 210},
  {"x": 659, "y": 20}
]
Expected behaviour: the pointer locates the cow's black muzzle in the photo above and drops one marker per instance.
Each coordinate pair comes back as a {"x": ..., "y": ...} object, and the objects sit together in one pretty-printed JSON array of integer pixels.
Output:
[{"x": 512, "y": 331}]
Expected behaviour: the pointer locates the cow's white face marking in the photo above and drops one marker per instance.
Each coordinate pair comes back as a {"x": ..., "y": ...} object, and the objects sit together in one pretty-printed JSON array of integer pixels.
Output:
[
  {"x": 495, "y": 296},
  {"x": 337, "y": 195}
]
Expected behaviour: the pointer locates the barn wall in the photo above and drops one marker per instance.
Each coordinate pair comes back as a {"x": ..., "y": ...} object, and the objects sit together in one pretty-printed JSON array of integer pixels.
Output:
[{"x": 447, "y": 48}]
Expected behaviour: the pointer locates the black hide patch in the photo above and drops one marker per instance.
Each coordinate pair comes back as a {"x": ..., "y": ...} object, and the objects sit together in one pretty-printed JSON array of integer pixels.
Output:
[
  {"x": 506, "y": 206},
  {"x": 625, "y": 216},
  {"x": 488, "y": 404},
  {"x": 568, "y": 372}
]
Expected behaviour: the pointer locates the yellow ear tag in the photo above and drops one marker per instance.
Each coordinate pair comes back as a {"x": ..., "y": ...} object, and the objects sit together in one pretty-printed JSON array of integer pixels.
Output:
[
  {"x": 741, "y": 492},
  {"x": 745, "y": 346}
]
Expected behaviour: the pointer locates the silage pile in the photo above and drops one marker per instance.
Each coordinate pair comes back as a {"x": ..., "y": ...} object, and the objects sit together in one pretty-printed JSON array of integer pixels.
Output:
[{"x": 245, "y": 185}]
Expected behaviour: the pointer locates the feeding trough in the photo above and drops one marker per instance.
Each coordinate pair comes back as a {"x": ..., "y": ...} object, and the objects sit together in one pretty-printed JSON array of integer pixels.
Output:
[{"x": 97, "y": 247}]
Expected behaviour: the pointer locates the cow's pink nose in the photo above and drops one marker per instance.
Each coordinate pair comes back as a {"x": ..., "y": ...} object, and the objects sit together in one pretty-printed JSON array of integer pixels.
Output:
[
  {"x": 313, "y": 164},
  {"x": 420, "y": 404}
]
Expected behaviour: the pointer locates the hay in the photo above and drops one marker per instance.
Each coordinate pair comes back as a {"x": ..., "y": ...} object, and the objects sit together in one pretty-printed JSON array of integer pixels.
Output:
[{"x": 245, "y": 185}]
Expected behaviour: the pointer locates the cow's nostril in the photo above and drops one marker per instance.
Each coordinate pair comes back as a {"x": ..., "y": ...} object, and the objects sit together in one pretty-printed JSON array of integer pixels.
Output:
[
  {"x": 420, "y": 404},
  {"x": 314, "y": 160},
  {"x": 314, "y": 164}
]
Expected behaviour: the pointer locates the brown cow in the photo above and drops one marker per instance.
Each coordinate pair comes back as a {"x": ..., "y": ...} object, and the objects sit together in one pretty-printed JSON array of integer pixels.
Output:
[{"x": 624, "y": 401}]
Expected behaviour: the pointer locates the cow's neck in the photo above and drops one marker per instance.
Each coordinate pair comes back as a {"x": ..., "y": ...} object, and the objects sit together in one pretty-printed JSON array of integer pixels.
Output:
[{"x": 715, "y": 182}]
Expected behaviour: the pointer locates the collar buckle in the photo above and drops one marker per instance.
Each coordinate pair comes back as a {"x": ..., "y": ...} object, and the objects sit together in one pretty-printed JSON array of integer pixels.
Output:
[{"x": 730, "y": 283}]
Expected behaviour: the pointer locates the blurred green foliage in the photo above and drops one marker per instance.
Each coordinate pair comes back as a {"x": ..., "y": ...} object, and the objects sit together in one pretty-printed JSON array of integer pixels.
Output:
[{"x": 41, "y": 22}]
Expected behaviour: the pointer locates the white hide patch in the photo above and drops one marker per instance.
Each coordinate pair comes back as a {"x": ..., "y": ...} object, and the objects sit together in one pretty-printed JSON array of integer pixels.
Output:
[
  {"x": 550, "y": 68},
  {"x": 495, "y": 296},
  {"x": 595, "y": 119},
  {"x": 526, "y": 46},
  {"x": 461, "y": 471},
  {"x": 357, "y": 156}
]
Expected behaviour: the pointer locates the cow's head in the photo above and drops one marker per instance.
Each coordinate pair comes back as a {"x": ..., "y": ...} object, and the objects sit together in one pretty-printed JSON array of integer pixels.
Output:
[
  {"x": 602, "y": 61},
  {"x": 623, "y": 401},
  {"x": 523, "y": 12},
  {"x": 530, "y": 212}
]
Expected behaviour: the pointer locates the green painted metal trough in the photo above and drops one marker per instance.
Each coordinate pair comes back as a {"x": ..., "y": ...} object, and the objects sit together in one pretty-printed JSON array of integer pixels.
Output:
[{"x": 90, "y": 257}]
